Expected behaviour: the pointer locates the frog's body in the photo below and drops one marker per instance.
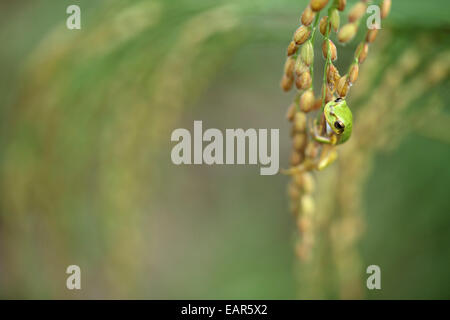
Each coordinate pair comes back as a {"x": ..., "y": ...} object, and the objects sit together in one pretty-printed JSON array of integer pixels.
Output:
[
  {"x": 339, "y": 119},
  {"x": 339, "y": 125},
  {"x": 336, "y": 129}
]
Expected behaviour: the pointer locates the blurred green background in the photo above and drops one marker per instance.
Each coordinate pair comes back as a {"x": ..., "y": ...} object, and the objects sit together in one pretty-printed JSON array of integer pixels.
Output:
[{"x": 86, "y": 176}]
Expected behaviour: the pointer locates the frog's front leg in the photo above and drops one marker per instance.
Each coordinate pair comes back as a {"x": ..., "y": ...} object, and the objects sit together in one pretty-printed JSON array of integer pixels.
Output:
[
  {"x": 327, "y": 156},
  {"x": 332, "y": 140}
]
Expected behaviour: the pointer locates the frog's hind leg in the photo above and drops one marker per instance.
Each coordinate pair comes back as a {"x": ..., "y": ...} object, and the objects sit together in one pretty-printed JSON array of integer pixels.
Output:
[
  {"x": 307, "y": 165},
  {"x": 327, "y": 157}
]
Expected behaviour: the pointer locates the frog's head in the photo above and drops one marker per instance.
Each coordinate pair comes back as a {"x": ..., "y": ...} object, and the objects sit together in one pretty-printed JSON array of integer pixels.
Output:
[{"x": 339, "y": 117}]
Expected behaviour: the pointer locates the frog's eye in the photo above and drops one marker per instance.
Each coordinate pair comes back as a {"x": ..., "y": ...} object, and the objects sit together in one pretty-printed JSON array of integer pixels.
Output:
[
  {"x": 339, "y": 125},
  {"x": 338, "y": 100}
]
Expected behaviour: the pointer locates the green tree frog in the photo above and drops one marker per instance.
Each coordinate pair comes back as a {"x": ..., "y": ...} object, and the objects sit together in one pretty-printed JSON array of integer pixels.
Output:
[
  {"x": 336, "y": 129},
  {"x": 339, "y": 123}
]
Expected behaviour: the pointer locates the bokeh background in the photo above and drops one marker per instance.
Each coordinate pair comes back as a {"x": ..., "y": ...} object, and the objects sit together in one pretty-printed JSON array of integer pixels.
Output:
[{"x": 86, "y": 176}]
